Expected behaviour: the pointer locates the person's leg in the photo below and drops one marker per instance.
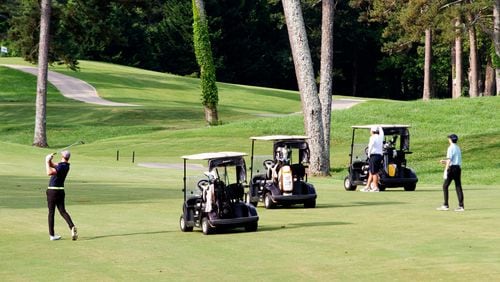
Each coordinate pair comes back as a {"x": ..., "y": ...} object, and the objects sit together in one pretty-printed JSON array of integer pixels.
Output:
[
  {"x": 375, "y": 181},
  {"x": 62, "y": 209},
  {"x": 446, "y": 184},
  {"x": 376, "y": 169},
  {"x": 370, "y": 178},
  {"x": 370, "y": 175},
  {"x": 51, "y": 204},
  {"x": 458, "y": 185}
]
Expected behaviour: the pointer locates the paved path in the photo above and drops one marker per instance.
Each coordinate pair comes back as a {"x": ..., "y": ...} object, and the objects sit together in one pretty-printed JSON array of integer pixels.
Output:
[{"x": 72, "y": 88}]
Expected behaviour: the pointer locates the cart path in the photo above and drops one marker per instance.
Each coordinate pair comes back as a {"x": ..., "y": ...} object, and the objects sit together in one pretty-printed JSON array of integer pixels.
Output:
[
  {"x": 72, "y": 88},
  {"x": 337, "y": 104}
]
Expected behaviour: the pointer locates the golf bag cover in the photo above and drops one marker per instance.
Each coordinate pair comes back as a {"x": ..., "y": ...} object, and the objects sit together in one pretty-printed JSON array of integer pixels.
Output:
[{"x": 286, "y": 179}]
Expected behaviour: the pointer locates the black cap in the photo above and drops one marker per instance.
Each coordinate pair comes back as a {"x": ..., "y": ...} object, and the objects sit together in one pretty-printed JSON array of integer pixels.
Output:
[{"x": 453, "y": 137}]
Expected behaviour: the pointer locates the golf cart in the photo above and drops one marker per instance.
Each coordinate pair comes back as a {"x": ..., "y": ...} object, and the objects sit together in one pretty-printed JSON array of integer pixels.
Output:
[
  {"x": 215, "y": 201},
  {"x": 280, "y": 179},
  {"x": 395, "y": 173}
]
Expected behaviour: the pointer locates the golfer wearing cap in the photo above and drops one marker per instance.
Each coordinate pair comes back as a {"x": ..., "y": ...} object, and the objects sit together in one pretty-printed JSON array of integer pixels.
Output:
[
  {"x": 55, "y": 193},
  {"x": 375, "y": 153},
  {"x": 453, "y": 172}
]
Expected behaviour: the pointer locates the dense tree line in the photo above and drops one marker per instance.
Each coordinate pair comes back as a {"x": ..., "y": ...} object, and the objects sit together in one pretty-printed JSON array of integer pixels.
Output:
[{"x": 379, "y": 46}]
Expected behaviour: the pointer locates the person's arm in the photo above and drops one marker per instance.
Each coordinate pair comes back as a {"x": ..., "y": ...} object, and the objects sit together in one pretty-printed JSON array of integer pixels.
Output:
[
  {"x": 49, "y": 165},
  {"x": 381, "y": 133},
  {"x": 447, "y": 161}
]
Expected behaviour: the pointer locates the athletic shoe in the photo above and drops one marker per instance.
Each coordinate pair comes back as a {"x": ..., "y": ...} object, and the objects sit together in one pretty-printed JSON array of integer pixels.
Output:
[
  {"x": 55, "y": 237},
  {"x": 375, "y": 190},
  {"x": 74, "y": 233},
  {"x": 442, "y": 208},
  {"x": 366, "y": 189},
  {"x": 459, "y": 209}
]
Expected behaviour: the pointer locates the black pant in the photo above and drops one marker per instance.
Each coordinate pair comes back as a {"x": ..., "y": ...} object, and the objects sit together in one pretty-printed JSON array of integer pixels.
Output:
[
  {"x": 55, "y": 198},
  {"x": 454, "y": 173}
]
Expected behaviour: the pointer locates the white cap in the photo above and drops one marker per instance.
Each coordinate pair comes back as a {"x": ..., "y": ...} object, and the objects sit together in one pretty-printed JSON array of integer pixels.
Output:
[
  {"x": 66, "y": 154},
  {"x": 374, "y": 128}
]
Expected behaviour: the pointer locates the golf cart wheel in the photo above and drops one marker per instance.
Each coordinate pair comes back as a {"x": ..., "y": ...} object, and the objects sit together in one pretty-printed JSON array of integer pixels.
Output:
[
  {"x": 205, "y": 227},
  {"x": 252, "y": 227},
  {"x": 348, "y": 184},
  {"x": 183, "y": 225},
  {"x": 268, "y": 201},
  {"x": 410, "y": 187},
  {"x": 310, "y": 204}
]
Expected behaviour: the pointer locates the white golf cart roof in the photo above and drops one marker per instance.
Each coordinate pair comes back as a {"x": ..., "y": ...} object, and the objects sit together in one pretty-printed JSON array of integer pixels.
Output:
[
  {"x": 382, "y": 125},
  {"x": 213, "y": 155},
  {"x": 279, "y": 137}
]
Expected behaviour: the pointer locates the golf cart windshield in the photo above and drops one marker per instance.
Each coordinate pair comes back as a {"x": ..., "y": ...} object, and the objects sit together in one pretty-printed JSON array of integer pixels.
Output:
[
  {"x": 396, "y": 136},
  {"x": 228, "y": 167}
]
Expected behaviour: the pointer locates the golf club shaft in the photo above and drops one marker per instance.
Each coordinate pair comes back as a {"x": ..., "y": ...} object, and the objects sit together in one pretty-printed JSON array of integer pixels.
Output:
[{"x": 67, "y": 147}]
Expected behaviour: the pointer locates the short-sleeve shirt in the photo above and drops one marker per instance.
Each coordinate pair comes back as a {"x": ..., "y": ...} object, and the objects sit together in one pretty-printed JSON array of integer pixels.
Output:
[
  {"x": 57, "y": 180},
  {"x": 375, "y": 145},
  {"x": 454, "y": 154}
]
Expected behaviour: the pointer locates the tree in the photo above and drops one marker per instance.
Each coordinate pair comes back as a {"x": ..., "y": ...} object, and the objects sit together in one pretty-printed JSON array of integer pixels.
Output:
[
  {"x": 427, "y": 65},
  {"x": 203, "y": 51},
  {"x": 40, "y": 138},
  {"x": 311, "y": 104},
  {"x": 473, "y": 60},
  {"x": 406, "y": 23},
  {"x": 457, "y": 80},
  {"x": 326, "y": 75},
  {"x": 496, "y": 39}
]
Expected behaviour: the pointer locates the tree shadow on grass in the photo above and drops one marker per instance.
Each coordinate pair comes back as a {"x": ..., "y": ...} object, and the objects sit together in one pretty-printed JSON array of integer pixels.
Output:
[
  {"x": 359, "y": 204},
  {"x": 122, "y": 235},
  {"x": 301, "y": 225}
]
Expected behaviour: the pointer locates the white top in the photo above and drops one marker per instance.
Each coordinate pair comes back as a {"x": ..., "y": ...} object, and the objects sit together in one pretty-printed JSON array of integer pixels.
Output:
[
  {"x": 368, "y": 126},
  {"x": 376, "y": 143},
  {"x": 279, "y": 137},
  {"x": 213, "y": 155}
]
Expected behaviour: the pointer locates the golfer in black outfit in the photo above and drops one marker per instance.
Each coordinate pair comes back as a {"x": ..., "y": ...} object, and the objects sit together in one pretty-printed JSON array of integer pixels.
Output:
[{"x": 55, "y": 193}]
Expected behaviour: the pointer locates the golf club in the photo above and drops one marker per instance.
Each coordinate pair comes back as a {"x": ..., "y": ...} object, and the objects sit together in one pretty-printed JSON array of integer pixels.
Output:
[{"x": 67, "y": 147}]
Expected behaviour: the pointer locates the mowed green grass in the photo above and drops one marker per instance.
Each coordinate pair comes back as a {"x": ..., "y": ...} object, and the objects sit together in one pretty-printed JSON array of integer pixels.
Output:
[{"x": 128, "y": 215}]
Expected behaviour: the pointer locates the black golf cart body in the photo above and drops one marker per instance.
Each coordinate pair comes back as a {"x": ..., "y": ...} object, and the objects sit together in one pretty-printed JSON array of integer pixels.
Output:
[
  {"x": 281, "y": 179},
  {"x": 215, "y": 200},
  {"x": 395, "y": 173}
]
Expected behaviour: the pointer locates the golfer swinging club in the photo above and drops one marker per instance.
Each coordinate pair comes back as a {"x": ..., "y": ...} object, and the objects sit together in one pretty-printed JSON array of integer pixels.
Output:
[{"x": 55, "y": 193}]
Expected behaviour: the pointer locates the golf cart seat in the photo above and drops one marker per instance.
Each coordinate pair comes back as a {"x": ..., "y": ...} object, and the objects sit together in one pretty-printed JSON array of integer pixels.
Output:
[
  {"x": 235, "y": 191},
  {"x": 298, "y": 171}
]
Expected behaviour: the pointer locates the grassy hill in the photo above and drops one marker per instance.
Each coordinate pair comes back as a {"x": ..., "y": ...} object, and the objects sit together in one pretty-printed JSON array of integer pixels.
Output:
[
  {"x": 170, "y": 111},
  {"x": 128, "y": 215}
]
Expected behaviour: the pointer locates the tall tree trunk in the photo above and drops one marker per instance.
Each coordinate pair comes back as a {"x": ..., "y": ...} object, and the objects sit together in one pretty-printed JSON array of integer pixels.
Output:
[
  {"x": 427, "y": 65},
  {"x": 453, "y": 58},
  {"x": 203, "y": 52},
  {"x": 473, "y": 64},
  {"x": 489, "y": 78},
  {"x": 326, "y": 76},
  {"x": 458, "y": 59},
  {"x": 496, "y": 40},
  {"x": 311, "y": 105},
  {"x": 40, "y": 137}
]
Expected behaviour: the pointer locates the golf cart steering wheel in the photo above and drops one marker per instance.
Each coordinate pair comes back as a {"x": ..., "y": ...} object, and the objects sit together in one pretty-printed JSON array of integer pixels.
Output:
[
  {"x": 268, "y": 164},
  {"x": 203, "y": 184},
  {"x": 366, "y": 153}
]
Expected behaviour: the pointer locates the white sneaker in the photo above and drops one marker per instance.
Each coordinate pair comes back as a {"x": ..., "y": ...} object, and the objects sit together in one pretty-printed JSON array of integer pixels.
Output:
[
  {"x": 74, "y": 233},
  {"x": 366, "y": 189},
  {"x": 442, "y": 208},
  {"x": 55, "y": 237},
  {"x": 459, "y": 209},
  {"x": 374, "y": 190}
]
